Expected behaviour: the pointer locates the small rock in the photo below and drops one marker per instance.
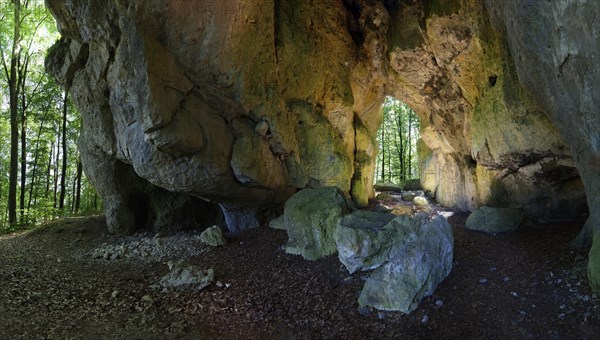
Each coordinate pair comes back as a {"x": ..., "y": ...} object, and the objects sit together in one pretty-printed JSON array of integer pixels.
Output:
[
  {"x": 408, "y": 197},
  {"x": 219, "y": 284},
  {"x": 421, "y": 202},
  {"x": 364, "y": 311},
  {"x": 183, "y": 277},
  {"x": 439, "y": 303},
  {"x": 381, "y": 315},
  {"x": 262, "y": 128},
  {"x": 493, "y": 269},
  {"x": 561, "y": 315},
  {"x": 514, "y": 294},
  {"x": 147, "y": 298},
  {"x": 114, "y": 294},
  {"x": 278, "y": 223},
  {"x": 425, "y": 319},
  {"x": 483, "y": 281},
  {"x": 213, "y": 236},
  {"x": 506, "y": 278}
]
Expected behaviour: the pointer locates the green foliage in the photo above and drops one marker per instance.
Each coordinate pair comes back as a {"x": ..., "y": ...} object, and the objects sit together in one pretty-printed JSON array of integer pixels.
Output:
[
  {"x": 40, "y": 116},
  {"x": 397, "y": 159}
]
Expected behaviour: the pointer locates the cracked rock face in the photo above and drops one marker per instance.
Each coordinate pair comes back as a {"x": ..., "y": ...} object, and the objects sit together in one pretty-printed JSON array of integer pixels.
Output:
[{"x": 238, "y": 104}]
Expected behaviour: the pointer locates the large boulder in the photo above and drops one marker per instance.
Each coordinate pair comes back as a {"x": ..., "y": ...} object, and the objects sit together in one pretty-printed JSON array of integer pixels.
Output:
[
  {"x": 311, "y": 216},
  {"x": 495, "y": 220},
  {"x": 388, "y": 187},
  {"x": 418, "y": 260},
  {"x": 363, "y": 241}
]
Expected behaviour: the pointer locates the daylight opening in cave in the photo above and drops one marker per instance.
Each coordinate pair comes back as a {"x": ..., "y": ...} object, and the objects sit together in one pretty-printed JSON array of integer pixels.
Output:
[{"x": 397, "y": 159}]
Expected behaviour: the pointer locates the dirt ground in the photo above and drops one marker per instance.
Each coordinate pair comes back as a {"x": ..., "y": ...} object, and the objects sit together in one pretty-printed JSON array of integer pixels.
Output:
[{"x": 527, "y": 284}]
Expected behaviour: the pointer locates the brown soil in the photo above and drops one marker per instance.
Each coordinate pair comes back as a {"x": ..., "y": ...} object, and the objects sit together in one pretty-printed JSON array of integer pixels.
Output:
[{"x": 520, "y": 285}]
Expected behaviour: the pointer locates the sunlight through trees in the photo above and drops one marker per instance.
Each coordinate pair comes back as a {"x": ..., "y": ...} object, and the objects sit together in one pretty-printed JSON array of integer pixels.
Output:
[
  {"x": 397, "y": 160},
  {"x": 40, "y": 172}
]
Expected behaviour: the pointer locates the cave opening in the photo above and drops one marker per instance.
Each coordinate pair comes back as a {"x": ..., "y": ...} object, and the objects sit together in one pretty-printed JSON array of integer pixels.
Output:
[{"x": 397, "y": 137}]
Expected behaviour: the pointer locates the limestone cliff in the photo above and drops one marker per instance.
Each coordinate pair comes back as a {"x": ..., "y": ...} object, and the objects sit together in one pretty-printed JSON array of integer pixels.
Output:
[{"x": 242, "y": 103}]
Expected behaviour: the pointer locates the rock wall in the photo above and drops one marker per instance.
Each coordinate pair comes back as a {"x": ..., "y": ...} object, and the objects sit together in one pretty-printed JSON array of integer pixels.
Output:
[{"x": 242, "y": 103}]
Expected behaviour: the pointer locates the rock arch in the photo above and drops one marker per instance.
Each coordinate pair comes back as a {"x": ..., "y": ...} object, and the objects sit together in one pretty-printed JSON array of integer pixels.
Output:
[{"x": 244, "y": 102}]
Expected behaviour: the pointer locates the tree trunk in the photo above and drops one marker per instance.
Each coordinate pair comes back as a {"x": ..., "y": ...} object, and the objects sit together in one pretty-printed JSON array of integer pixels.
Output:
[
  {"x": 409, "y": 143},
  {"x": 63, "y": 176},
  {"x": 23, "y": 76},
  {"x": 56, "y": 160},
  {"x": 13, "y": 87},
  {"x": 383, "y": 150},
  {"x": 35, "y": 159},
  {"x": 78, "y": 192},
  {"x": 401, "y": 144},
  {"x": 48, "y": 169}
]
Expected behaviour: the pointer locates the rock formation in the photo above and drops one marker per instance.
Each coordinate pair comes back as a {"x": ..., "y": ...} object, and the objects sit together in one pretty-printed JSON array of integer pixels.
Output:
[{"x": 233, "y": 106}]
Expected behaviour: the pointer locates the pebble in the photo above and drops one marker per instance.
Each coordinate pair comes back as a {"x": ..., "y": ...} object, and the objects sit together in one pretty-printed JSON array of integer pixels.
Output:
[
  {"x": 147, "y": 298},
  {"x": 561, "y": 315},
  {"x": 114, "y": 294},
  {"x": 219, "y": 284},
  {"x": 425, "y": 319},
  {"x": 381, "y": 315},
  {"x": 514, "y": 294},
  {"x": 506, "y": 278},
  {"x": 439, "y": 303},
  {"x": 482, "y": 281},
  {"x": 493, "y": 269},
  {"x": 364, "y": 311}
]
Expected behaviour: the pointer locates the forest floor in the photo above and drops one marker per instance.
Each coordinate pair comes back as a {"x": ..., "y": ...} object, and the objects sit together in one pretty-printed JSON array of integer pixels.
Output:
[{"x": 528, "y": 284}]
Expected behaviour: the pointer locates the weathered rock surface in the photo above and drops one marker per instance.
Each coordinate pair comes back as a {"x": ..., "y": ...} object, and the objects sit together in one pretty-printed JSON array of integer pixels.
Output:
[
  {"x": 311, "y": 216},
  {"x": 213, "y": 236},
  {"x": 418, "y": 256},
  {"x": 278, "y": 223},
  {"x": 412, "y": 185},
  {"x": 495, "y": 220},
  {"x": 187, "y": 277},
  {"x": 594, "y": 264},
  {"x": 243, "y": 103},
  {"x": 362, "y": 240},
  {"x": 564, "y": 78},
  {"x": 420, "y": 202},
  {"x": 387, "y": 187}
]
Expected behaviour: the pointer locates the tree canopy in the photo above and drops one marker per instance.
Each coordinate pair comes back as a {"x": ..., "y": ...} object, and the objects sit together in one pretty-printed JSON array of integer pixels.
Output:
[
  {"x": 397, "y": 160},
  {"x": 40, "y": 172}
]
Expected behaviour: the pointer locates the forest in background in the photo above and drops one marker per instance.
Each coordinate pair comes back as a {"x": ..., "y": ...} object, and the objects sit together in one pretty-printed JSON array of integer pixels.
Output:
[
  {"x": 41, "y": 176},
  {"x": 397, "y": 137}
]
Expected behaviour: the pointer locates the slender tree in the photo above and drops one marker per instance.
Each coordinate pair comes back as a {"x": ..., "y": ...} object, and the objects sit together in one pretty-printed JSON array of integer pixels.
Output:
[
  {"x": 11, "y": 73},
  {"x": 78, "y": 192},
  {"x": 63, "y": 177}
]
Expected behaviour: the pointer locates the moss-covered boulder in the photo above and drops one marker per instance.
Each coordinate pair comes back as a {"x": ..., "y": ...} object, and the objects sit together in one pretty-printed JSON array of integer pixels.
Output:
[{"x": 311, "y": 216}]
